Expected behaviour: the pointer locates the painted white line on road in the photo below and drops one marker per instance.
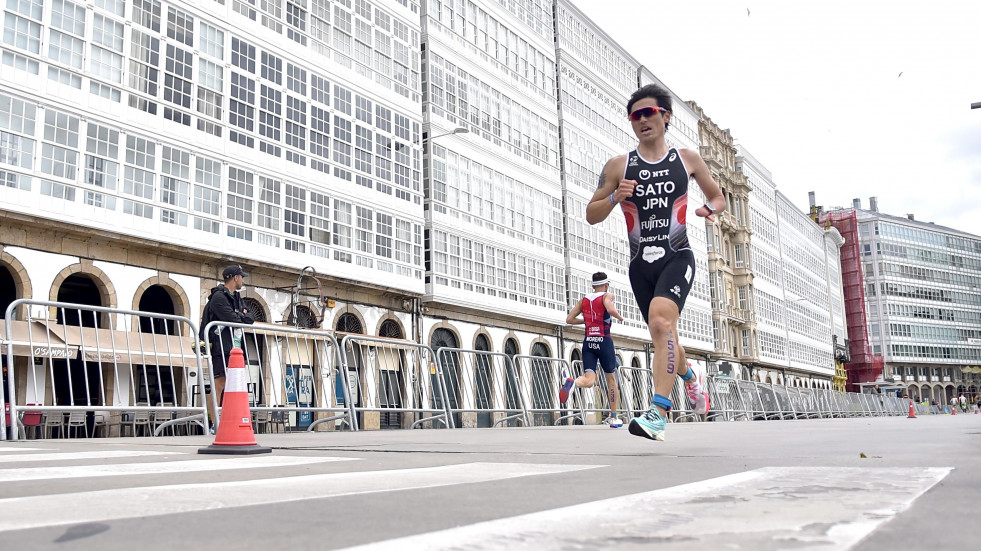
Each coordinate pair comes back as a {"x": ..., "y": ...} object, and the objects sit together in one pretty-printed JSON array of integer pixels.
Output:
[
  {"x": 5, "y": 450},
  {"x": 20, "y": 513},
  {"x": 223, "y": 464},
  {"x": 75, "y": 456},
  {"x": 770, "y": 508}
]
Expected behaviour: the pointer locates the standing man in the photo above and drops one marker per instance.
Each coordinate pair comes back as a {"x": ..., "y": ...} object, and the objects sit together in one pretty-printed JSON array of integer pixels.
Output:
[
  {"x": 224, "y": 304},
  {"x": 651, "y": 186},
  {"x": 597, "y": 310}
]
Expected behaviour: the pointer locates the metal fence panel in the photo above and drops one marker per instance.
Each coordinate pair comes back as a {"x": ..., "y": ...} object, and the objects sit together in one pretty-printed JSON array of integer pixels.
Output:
[
  {"x": 540, "y": 378},
  {"x": 487, "y": 388},
  {"x": 637, "y": 389},
  {"x": 94, "y": 369},
  {"x": 293, "y": 375},
  {"x": 397, "y": 384},
  {"x": 595, "y": 400},
  {"x": 727, "y": 400}
]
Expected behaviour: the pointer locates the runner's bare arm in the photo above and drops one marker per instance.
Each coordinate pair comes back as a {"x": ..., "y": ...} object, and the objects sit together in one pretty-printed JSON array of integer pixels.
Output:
[
  {"x": 611, "y": 306},
  {"x": 573, "y": 317},
  {"x": 610, "y": 185},
  {"x": 702, "y": 176}
]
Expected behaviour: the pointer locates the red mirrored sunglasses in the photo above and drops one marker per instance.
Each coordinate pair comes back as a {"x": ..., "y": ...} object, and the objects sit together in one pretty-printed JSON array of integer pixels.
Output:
[{"x": 645, "y": 112}]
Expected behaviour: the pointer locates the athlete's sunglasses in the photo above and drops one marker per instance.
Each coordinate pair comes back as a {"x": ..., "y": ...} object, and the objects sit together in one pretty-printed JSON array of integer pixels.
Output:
[{"x": 645, "y": 112}]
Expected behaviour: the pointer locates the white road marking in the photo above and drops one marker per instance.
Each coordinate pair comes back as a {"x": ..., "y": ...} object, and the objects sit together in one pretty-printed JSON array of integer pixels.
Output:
[
  {"x": 223, "y": 464},
  {"x": 770, "y": 508},
  {"x": 20, "y": 513},
  {"x": 74, "y": 456},
  {"x": 5, "y": 450}
]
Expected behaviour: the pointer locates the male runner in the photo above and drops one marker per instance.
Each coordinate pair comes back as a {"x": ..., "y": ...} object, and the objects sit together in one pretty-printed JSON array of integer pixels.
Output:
[
  {"x": 651, "y": 186},
  {"x": 596, "y": 310}
]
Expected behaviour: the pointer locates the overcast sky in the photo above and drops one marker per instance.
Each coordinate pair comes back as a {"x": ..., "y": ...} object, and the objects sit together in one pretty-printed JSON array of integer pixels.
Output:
[{"x": 846, "y": 98}]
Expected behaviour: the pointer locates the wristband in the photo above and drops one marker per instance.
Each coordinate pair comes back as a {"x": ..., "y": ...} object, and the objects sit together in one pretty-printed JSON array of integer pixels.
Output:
[
  {"x": 612, "y": 202},
  {"x": 710, "y": 208}
]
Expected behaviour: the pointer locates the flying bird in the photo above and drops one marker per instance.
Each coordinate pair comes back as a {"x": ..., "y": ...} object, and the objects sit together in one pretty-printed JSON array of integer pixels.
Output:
[
  {"x": 900, "y": 74},
  {"x": 747, "y": 12}
]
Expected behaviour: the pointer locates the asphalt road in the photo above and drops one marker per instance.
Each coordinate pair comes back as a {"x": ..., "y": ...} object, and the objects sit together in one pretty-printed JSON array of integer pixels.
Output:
[{"x": 864, "y": 484}]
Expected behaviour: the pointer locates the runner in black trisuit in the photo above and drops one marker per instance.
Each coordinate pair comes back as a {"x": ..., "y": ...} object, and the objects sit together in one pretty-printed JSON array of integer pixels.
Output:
[{"x": 651, "y": 186}]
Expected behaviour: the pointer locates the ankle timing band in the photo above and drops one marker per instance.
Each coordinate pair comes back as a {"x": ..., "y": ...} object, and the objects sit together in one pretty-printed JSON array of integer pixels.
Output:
[
  {"x": 687, "y": 376},
  {"x": 662, "y": 402}
]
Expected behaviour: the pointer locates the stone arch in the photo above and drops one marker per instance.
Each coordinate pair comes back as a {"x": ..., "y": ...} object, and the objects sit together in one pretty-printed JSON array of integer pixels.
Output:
[
  {"x": 483, "y": 332},
  {"x": 350, "y": 320},
  {"x": 447, "y": 326},
  {"x": 181, "y": 304},
  {"x": 540, "y": 342},
  {"x": 22, "y": 280},
  {"x": 255, "y": 301},
  {"x": 390, "y": 327},
  {"x": 107, "y": 290},
  {"x": 514, "y": 341},
  {"x": 306, "y": 316}
]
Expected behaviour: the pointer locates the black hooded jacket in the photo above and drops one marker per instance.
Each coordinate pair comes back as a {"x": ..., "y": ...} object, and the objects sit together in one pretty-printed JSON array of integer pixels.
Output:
[{"x": 224, "y": 306}]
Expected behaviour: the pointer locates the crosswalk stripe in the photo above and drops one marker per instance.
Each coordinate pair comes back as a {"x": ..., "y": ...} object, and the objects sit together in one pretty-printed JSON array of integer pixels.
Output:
[
  {"x": 773, "y": 507},
  {"x": 168, "y": 467},
  {"x": 73, "y": 456},
  {"x": 102, "y": 505}
]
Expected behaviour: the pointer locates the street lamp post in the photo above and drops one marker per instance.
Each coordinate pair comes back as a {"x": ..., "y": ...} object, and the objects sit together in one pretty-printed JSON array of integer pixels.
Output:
[{"x": 457, "y": 130}]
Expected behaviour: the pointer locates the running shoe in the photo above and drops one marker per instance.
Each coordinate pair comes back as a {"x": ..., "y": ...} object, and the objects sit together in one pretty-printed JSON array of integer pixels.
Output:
[
  {"x": 697, "y": 395},
  {"x": 566, "y": 389},
  {"x": 649, "y": 425},
  {"x": 613, "y": 421}
]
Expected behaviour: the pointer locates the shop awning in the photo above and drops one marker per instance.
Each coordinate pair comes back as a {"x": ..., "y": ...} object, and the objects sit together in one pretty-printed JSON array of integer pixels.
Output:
[
  {"x": 126, "y": 347},
  {"x": 32, "y": 339}
]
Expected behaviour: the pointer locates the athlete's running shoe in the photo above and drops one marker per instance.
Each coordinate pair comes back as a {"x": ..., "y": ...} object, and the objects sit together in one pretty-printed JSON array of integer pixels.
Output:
[
  {"x": 699, "y": 398},
  {"x": 613, "y": 421},
  {"x": 566, "y": 389},
  {"x": 649, "y": 425}
]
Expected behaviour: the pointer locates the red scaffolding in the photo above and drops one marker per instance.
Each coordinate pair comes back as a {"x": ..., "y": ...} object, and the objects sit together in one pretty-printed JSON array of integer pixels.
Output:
[{"x": 864, "y": 367}]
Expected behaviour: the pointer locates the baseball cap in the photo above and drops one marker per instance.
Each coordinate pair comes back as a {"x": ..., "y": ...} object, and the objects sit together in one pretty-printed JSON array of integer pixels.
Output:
[{"x": 232, "y": 271}]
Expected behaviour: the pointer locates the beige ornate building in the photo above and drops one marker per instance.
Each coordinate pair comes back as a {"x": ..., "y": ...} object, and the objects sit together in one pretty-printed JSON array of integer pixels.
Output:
[{"x": 730, "y": 269}]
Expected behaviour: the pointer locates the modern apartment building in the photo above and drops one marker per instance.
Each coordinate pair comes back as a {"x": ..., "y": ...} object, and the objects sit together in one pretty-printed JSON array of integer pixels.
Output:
[{"x": 921, "y": 291}]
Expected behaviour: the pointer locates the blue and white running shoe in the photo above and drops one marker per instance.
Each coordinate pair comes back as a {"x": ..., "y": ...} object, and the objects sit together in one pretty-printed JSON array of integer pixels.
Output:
[{"x": 649, "y": 425}]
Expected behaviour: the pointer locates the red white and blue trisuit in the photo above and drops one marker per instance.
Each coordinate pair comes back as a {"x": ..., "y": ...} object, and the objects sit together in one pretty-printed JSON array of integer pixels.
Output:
[
  {"x": 661, "y": 261},
  {"x": 598, "y": 344}
]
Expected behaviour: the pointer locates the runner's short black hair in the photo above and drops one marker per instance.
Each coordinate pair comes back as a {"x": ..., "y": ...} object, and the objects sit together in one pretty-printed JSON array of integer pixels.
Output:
[{"x": 662, "y": 96}]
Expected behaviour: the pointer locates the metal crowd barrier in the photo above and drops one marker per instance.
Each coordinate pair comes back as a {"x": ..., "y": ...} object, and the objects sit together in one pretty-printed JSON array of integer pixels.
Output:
[
  {"x": 486, "y": 387},
  {"x": 293, "y": 375},
  {"x": 397, "y": 384},
  {"x": 637, "y": 389},
  {"x": 595, "y": 400},
  {"x": 90, "y": 369},
  {"x": 540, "y": 378}
]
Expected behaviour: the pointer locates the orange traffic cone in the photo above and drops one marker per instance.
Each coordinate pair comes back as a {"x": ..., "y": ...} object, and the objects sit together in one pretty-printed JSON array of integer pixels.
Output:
[
  {"x": 912, "y": 411},
  {"x": 235, "y": 435},
  {"x": 953, "y": 410},
  {"x": 976, "y": 410}
]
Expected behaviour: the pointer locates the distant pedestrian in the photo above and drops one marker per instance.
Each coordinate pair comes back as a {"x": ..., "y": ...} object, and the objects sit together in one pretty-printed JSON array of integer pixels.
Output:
[
  {"x": 224, "y": 304},
  {"x": 963, "y": 401}
]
